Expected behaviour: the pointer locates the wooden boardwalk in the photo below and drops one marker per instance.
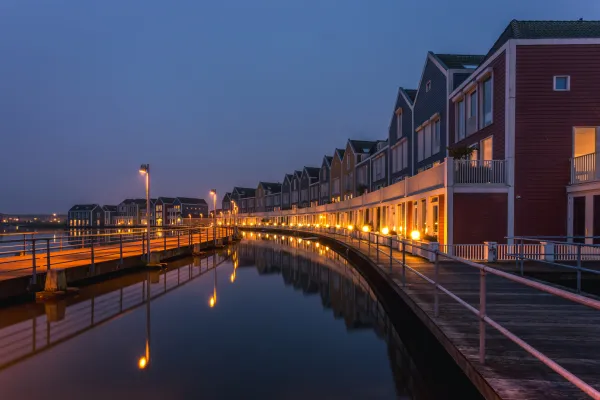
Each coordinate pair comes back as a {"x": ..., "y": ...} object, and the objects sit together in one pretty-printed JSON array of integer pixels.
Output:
[
  {"x": 564, "y": 331},
  {"x": 19, "y": 266}
]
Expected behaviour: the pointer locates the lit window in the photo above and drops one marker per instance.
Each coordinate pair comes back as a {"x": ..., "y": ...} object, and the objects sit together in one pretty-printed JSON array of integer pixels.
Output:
[
  {"x": 486, "y": 108},
  {"x": 562, "y": 83},
  {"x": 486, "y": 147}
]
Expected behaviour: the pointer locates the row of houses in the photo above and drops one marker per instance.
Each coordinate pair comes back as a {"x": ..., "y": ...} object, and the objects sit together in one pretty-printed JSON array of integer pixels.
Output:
[
  {"x": 164, "y": 211},
  {"x": 485, "y": 148}
]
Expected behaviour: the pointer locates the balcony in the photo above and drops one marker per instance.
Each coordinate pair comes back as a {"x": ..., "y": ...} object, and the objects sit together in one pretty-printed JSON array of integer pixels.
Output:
[
  {"x": 583, "y": 169},
  {"x": 479, "y": 172}
]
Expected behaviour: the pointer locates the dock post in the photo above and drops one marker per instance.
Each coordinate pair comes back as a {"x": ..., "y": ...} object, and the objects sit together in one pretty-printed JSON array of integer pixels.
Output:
[
  {"x": 47, "y": 254},
  {"x": 34, "y": 277},
  {"x": 482, "y": 311},
  {"x": 121, "y": 249}
]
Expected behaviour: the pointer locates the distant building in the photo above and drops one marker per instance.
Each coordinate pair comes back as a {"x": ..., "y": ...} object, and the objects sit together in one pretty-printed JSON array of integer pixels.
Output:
[
  {"x": 188, "y": 207},
  {"x": 110, "y": 212},
  {"x": 164, "y": 211},
  {"x": 86, "y": 216}
]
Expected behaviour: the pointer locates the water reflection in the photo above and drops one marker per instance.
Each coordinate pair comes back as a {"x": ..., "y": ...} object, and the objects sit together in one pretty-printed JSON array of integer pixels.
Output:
[{"x": 275, "y": 343}]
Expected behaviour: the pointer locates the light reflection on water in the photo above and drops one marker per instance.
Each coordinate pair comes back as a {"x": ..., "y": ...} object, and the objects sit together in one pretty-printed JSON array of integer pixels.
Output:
[{"x": 222, "y": 327}]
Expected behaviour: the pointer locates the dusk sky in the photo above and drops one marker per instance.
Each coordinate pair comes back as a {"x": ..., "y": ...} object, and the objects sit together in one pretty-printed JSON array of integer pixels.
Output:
[{"x": 212, "y": 93}]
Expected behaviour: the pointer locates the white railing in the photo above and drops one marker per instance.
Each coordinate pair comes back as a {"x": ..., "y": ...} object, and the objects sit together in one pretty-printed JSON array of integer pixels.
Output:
[
  {"x": 583, "y": 168},
  {"x": 472, "y": 252},
  {"x": 479, "y": 171}
]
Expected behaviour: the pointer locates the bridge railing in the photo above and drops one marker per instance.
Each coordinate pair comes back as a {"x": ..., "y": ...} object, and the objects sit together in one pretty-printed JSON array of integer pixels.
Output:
[
  {"x": 35, "y": 253},
  {"x": 384, "y": 245}
]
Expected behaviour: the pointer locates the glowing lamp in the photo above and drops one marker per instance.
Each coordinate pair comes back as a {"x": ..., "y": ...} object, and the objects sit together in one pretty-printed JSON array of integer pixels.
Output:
[
  {"x": 337, "y": 226},
  {"x": 142, "y": 363},
  {"x": 299, "y": 240},
  {"x": 366, "y": 228},
  {"x": 415, "y": 235},
  {"x": 350, "y": 227},
  {"x": 385, "y": 231},
  {"x": 212, "y": 301}
]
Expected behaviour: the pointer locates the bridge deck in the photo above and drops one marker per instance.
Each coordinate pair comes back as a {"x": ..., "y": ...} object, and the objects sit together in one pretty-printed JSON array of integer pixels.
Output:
[
  {"x": 18, "y": 266},
  {"x": 564, "y": 331}
]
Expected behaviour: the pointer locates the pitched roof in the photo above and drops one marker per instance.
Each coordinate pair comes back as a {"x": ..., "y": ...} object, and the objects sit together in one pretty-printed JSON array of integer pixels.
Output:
[
  {"x": 313, "y": 172},
  {"x": 362, "y": 146},
  {"x": 167, "y": 200},
  {"x": 244, "y": 192},
  {"x": 340, "y": 153},
  {"x": 227, "y": 196},
  {"x": 546, "y": 30},
  {"x": 109, "y": 208},
  {"x": 329, "y": 159},
  {"x": 83, "y": 207},
  {"x": 288, "y": 177},
  {"x": 191, "y": 200},
  {"x": 271, "y": 187},
  {"x": 298, "y": 174},
  {"x": 459, "y": 61},
  {"x": 410, "y": 93}
]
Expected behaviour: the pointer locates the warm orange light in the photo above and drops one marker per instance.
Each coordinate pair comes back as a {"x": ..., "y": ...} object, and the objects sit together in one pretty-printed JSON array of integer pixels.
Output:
[
  {"x": 415, "y": 235},
  {"x": 385, "y": 230},
  {"x": 232, "y": 277},
  {"x": 366, "y": 228},
  {"x": 326, "y": 226},
  {"x": 212, "y": 301},
  {"x": 327, "y": 248},
  {"x": 350, "y": 227},
  {"x": 338, "y": 226},
  {"x": 299, "y": 240},
  {"x": 142, "y": 363},
  {"x": 317, "y": 225},
  {"x": 317, "y": 245}
]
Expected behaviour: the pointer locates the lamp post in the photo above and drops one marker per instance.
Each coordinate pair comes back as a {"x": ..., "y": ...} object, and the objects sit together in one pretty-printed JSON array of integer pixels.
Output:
[
  {"x": 213, "y": 193},
  {"x": 145, "y": 170}
]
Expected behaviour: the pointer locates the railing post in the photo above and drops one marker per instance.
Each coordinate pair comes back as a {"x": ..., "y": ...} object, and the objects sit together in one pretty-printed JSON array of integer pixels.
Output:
[
  {"x": 391, "y": 253},
  {"x": 143, "y": 246},
  {"x": 482, "y": 311},
  {"x": 121, "y": 249},
  {"x": 521, "y": 255},
  {"x": 25, "y": 244},
  {"x": 578, "y": 268},
  {"x": 436, "y": 277},
  {"x": 177, "y": 239},
  {"x": 377, "y": 248},
  {"x": 47, "y": 254},
  {"x": 164, "y": 241},
  {"x": 92, "y": 255},
  {"x": 403, "y": 263},
  {"x": 34, "y": 277}
]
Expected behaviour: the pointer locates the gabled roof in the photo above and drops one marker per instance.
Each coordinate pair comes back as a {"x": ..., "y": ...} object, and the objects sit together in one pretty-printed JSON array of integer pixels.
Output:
[
  {"x": 546, "y": 30},
  {"x": 167, "y": 200},
  {"x": 328, "y": 160},
  {"x": 190, "y": 200},
  {"x": 340, "y": 153},
  {"x": 312, "y": 172},
  {"x": 244, "y": 192},
  {"x": 361, "y": 146},
  {"x": 410, "y": 93},
  {"x": 458, "y": 61},
  {"x": 110, "y": 208},
  {"x": 271, "y": 187},
  {"x": 83, "y": 207},
  {"x": 298, "y": 174},
  {"x": 288, "y": 177},
  {"x": 227, "y": 196}
]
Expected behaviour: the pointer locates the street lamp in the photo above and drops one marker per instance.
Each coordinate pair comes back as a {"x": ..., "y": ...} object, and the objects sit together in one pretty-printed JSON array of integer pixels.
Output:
[
  {"x": 213, "y": 193},
  {"x": 145, "y": 170}
]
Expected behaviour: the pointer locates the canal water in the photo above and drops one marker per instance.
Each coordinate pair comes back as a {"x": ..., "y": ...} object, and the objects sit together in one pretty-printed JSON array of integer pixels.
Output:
[{"x": 268, "y": 318}]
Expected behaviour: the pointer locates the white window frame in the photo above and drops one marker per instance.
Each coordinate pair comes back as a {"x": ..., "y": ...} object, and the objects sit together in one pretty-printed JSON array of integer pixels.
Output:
[
  {"x": 556, "y": 77},
  {"x": 460, "y": 118},
  {"x": 481, "y": 99}
]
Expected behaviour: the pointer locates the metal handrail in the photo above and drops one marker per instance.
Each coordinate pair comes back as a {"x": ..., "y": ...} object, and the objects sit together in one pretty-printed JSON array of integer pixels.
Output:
[{"x": 481, "y": 312}]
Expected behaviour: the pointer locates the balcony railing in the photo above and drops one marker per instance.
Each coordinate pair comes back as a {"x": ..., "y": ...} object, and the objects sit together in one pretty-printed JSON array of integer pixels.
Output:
[
  {"x": 480, "y": 171},
  {"x": 583, "y": 169}
]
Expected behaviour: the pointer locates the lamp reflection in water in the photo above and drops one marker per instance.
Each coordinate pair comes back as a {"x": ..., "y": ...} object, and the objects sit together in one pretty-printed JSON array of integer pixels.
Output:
[
  {"x": 144, "y": 361},
  {"x": 213, "y": 299}
]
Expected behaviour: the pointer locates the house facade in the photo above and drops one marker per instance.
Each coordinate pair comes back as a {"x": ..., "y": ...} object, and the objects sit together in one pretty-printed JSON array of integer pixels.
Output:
[
  {"x": 324, "y": 180},
  {"x": 286, "y": 192},
  {"x": 310, "y": 176},
  {"x": 226, "y": 203},
  {"x": 265, "y": 196},
  {"x": 110, "y": 212},
  {"x": 189, "y": 207},
  {"x": 378, "y": 161},
  {"x": 335, "y": 187},
  {"x": 356, "y": 151},
  {"x": 164, "y": 211},
  {"x": 295, "y": 189},
  {"x": 400, "y": 136},
  {"x": 85, "y": 216}
]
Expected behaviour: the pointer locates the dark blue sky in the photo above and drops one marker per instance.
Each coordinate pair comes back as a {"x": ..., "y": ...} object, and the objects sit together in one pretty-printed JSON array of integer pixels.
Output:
[{"x": 212, "y": 93}]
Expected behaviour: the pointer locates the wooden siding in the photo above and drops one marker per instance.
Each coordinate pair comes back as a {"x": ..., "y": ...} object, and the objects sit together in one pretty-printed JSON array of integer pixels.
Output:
[
  {"x": 335, "y": 172},
  {"x": 347, "y": 186},
  {"x": 543, "y": 130},
  {"x": 497, "y": 128},
  {"x": 407, "y": 131},
  {"x": 480, "y": 217}
]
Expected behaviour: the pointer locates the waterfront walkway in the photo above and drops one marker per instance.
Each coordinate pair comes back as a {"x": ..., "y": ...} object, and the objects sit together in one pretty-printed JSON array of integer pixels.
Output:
[
  {"x": 565, "y": 332},
  {"x": 81, "y": 255}
]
